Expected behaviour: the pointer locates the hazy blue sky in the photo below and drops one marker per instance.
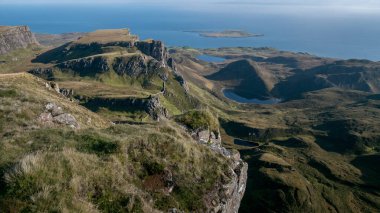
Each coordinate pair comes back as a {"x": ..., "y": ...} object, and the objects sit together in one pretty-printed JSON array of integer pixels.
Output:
[
  {"x": 277, "y": 6},
  {"x": 300, "y": 2}
]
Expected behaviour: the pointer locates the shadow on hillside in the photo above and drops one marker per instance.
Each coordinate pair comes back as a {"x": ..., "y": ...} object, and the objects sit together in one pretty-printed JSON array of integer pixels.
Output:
[{"x": 369, "y": 166}]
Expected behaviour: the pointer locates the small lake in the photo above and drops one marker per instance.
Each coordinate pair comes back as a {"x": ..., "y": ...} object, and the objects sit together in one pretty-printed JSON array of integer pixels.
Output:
[
  {"x": 211, "y": 59},
  {"x": 230, "y": 94}
]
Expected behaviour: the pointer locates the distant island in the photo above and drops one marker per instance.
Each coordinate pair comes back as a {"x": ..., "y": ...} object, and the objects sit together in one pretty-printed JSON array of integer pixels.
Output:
[{"x": 225, "y": 34}]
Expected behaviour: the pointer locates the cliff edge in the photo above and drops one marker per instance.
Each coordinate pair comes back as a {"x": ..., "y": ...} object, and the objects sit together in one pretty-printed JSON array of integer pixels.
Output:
[{"x": 15, "y": 37}]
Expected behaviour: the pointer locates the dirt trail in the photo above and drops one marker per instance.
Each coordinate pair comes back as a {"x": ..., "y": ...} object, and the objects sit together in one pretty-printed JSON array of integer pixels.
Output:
[{"x": 12, "y": 74}]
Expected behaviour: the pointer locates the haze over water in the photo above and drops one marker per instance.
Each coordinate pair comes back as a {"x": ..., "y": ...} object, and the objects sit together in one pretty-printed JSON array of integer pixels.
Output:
[{"x": 331, "y": 34}]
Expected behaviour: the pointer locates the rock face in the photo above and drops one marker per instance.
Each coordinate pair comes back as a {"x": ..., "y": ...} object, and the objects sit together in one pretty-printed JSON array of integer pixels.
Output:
[
  {"x": 155, "y": 49},
  {"x": 84, "y": 66},
  {"x": 155, "y": 109},
  {"x": 150, "y": 105},
  {"x": 227, "y": 195},
  {"x": 135, "y": 66},
  {"x": 172, "y": 64},
  {"x": 12, "y": 38}
]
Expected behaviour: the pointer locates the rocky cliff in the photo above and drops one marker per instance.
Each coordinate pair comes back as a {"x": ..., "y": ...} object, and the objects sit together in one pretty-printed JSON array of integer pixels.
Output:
[
  {"x": 227, "y": 194},
  {"x": 155, "y": 49},
  {"x": 12, "y": 38}
]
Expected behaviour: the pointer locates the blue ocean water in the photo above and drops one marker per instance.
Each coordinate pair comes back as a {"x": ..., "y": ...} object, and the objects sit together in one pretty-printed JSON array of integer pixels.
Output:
[{"x": 340, "y": 36}]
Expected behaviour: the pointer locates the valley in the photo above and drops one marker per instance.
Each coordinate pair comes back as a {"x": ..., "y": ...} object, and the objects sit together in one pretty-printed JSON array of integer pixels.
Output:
[{"x": 157, "y": 120}]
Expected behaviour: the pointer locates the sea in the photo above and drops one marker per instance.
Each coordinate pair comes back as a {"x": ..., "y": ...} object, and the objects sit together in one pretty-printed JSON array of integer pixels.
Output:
[{"x": 330, "y": 33}]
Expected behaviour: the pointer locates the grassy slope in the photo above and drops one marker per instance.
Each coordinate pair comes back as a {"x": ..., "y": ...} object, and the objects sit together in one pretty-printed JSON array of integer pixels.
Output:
[
  {"x": 20, "y": 60},
  {"x": 98, "y": 167}
]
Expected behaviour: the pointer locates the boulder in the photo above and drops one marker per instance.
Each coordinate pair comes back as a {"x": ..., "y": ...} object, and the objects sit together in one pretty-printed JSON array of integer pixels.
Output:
[
  {"x": 54, "y": 114},
  {"x": 45, "y": 117},
  {"x": 66, "y": 119}
]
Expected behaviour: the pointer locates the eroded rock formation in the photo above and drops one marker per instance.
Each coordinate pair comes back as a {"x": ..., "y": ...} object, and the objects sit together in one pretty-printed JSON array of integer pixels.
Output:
[
  {"x": 155, "y": 49},
  {"x": 12, "y": 38},
  {"x": 227, "y": 195}
]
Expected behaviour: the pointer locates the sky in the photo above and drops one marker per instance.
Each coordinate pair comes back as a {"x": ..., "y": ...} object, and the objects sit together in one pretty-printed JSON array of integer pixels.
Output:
[
  {"x": 283, "y": 6},
  {"x": 267, "y": 2}
]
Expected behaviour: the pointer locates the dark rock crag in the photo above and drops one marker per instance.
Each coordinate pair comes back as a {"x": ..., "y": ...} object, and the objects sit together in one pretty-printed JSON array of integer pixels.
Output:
[
  {"x": 85, "y": 66},
  {"x": 155, "y": 49},
  {"x": 227, "y": 195},
  {"x": 12, "y": 38}
]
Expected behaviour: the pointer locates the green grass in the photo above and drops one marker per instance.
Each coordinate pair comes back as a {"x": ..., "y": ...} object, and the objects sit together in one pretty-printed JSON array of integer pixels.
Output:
[
  {"x": 97, "y": 144},
  {"x": 7, "y": 93},
  {"x": 18, "y": 60},
  {"x": 199, "y": 119},
  {"x": 95, "y": 168}
]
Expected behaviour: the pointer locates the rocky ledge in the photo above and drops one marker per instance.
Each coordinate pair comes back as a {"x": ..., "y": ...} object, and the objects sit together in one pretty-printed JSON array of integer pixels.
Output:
[{"x": 151, "y": 105}]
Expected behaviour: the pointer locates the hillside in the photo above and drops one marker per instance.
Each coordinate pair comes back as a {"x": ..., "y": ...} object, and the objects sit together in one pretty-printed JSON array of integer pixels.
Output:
[
  {"x": 56, "y": 151},
  {"x": 246, "y": 78},
  {"x": 311, "y": 152},
  {"x": 353, "y": 74},
  {"x": 130, "y": 70}
]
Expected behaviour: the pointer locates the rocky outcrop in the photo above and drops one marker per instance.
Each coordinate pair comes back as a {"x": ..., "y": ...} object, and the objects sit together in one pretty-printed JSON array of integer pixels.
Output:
[
  {"x": 86, "y": 66},
  {"x": 155, "y": 49},
  {"x": 135, "y": 66},
  {"x": 139, "y": 65},
  {"x": 12, "y": 38},
  {"x": 154, "y": 108},
  {"x": 150, "y": 105},
  {"x": 67, "y": 92},
  {"x": 45, "y": 73},
  {"x": 54, "y": 114},
  {"x": 172, "y": 64},
  {"x": 227, "y": 195}
]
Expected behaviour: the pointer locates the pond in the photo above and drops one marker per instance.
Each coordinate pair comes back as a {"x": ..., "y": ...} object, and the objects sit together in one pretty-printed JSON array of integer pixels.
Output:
[
  {"x": 230, "y": 94},
  {"x": 211, "y": 59}
]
